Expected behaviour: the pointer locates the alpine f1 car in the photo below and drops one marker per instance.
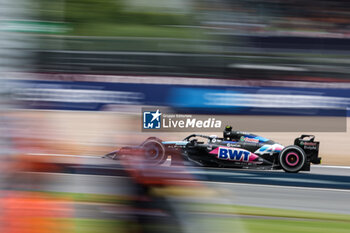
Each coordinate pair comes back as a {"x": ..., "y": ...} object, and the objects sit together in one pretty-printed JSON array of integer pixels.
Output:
[{"x": 235, "y": 149}]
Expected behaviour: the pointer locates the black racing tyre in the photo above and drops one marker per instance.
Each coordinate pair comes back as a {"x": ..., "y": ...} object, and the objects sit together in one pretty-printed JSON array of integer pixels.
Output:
[
  {"x": 154, "y": 151},
  {"x": 292, "y": 159}
]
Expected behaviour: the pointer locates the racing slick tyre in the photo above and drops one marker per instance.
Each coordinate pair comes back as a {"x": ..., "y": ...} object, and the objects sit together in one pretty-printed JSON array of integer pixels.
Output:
[
  {"x": 154, "y": 151},
  {"x": 292, "y": 159}
]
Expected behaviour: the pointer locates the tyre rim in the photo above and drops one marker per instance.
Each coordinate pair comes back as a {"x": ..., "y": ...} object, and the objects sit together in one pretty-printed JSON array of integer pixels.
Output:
[
  {"x": 152, "y": 153},
  {"x": 292, "y": 159}
]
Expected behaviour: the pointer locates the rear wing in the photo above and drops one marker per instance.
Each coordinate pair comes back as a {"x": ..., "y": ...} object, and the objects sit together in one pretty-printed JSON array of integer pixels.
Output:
[
  {"x": 305, "y": 137},
  {"x": 310, "y": 147}
]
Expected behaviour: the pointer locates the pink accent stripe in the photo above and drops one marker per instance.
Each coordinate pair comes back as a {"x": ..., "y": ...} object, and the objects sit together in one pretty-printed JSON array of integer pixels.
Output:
[
  {"x": 296, "y": 162},
  {"x": 215, "y": 151},
  {"x": 252, "y": 157}
]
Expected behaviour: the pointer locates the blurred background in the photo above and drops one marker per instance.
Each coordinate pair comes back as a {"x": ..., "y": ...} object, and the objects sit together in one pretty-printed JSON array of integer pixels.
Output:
[
  {"x": 251, "y": 39},
  {"x": 75, "y": 74},
  {"x": 84, "y": 69}
]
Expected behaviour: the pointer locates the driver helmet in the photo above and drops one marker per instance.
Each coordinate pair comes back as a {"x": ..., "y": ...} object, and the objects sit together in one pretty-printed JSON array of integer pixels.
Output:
[{"x": 228, "y": 128}]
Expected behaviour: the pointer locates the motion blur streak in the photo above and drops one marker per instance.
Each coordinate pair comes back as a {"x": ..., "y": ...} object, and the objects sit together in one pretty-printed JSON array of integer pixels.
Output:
[{"x": 76, "y": 74}]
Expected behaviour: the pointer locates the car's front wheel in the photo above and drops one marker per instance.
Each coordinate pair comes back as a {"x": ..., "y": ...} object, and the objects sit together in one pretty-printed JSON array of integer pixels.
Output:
[{"x": 154, "y": 151}]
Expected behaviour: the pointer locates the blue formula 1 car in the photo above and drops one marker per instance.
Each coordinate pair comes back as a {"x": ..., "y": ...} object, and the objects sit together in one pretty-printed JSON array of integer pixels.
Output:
[{"x": 235, "y": 149}]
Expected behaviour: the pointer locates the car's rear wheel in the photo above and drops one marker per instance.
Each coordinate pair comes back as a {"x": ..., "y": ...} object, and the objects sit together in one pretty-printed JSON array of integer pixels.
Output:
[
  {"x": 292, "y": 159},
  {"x": 154, "y": 151}
]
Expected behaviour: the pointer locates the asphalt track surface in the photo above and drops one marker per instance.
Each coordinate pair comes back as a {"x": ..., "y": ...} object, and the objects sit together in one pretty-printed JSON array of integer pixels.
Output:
[
  {"x": 324, "y": 189},
  {"x": 331, "y": 177},
  {"x": 318, "y": 177},
  {"x": 273, "y": 196}
]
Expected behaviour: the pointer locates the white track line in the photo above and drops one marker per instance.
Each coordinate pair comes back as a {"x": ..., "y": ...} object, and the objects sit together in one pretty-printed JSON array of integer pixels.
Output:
[{"x": 331, "y": 166}]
